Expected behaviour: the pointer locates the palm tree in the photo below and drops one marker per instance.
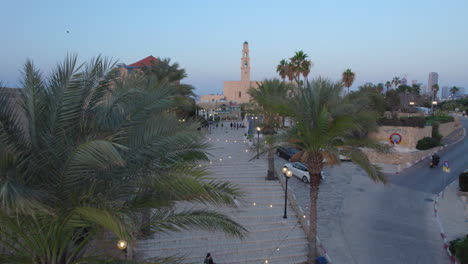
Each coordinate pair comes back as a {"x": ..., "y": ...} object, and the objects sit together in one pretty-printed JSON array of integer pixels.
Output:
[
  {"x": 270, "y": 98},
  {"x": 348, "y": 78},
  {"x": 380, "y": 87},
  {"x": 166, "y": 73},
  {"x": 84, "y": 153},
  {"x": 454, "y": 90},
  {"x": 396, "y": 81},
  {"x": 388, "y": 85},
  {"x": 322, "y": 126},
  {"x": 300, "y": 66},
  {"x": 281, "y": 69}
]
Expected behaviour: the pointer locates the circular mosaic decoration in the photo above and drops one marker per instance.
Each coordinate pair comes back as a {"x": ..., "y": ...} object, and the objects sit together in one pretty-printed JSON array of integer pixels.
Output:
[{"x": 395, "y": 138}]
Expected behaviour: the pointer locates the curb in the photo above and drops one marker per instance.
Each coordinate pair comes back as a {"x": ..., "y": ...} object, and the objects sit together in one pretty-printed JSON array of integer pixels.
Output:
[
  {"x": 301, "y": 216},
  {"x": 441, "y": 228}
]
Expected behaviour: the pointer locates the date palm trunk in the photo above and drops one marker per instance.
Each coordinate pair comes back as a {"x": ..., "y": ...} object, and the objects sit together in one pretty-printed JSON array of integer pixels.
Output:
[
  {"x": 315, "y": 166},
  {"x": 271, "y": 164}
]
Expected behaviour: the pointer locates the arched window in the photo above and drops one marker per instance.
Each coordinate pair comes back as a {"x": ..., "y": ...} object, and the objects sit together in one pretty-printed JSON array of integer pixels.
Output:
[{"x": 240, "y": 94}]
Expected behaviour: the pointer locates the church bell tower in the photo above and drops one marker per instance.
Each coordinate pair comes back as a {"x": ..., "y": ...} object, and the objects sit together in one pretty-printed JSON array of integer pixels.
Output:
[{"x": 245, "y": 63}]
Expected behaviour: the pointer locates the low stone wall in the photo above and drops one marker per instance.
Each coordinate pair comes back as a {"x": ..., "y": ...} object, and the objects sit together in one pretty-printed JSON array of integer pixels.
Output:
[
  {"x": 409, "y": 135},
  {"x": 397, "y": 158},
  {"x": 447, "y": 128}
]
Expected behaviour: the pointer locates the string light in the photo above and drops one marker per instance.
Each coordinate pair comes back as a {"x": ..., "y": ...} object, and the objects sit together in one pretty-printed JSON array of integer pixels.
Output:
[
  {"x": 271, "y": 206},
  {"x": 254, "y": 204},
  {"x": 220, "y": 159},
  {"x": 266, "y": 261},
  {"x": 229, "y": 157}
]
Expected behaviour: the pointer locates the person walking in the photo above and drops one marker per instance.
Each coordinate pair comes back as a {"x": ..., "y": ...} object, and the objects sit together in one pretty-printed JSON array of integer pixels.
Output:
[{"x": 208, "y": 259}]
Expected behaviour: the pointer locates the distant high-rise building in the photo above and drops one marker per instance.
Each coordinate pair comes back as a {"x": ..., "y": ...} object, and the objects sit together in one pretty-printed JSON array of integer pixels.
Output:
[
  {"x": 414, "y": 82},
  {"x": 445, "y": 92},
  {"x": 433, "y": 79}
]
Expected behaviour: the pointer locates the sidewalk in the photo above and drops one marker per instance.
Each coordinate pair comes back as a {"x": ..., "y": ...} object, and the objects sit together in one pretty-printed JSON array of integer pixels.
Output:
[
  {"x": 451, "y": 213},
  {"x": 260, "y": 210}
]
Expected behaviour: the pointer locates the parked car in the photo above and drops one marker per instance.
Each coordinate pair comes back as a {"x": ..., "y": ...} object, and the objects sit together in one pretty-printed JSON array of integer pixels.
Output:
[
  {"x": 286, "y": 152},
  {"x": 344, "y": 158},
  {"x": 300, "y": 170}
]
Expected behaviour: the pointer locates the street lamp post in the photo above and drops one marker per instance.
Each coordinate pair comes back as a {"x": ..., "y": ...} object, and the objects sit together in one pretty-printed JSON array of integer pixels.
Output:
[
  {"x": 434, "y": 104},
  {"x": 122, "y": 246},
  {"x": 258, "y": 141},
  {"x": 287, "y": 174}
]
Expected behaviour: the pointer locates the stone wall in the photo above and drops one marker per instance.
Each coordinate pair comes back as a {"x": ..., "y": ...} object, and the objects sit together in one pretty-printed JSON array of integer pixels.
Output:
[
  {"x": 409, "y": 135},
  {"x": 398, "y": 158},
  {"x": 447, "y": 128}
]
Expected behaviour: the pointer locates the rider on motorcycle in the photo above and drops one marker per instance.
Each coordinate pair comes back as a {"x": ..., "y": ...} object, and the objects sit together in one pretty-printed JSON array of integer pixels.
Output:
[{"x": 435, "y": 159}]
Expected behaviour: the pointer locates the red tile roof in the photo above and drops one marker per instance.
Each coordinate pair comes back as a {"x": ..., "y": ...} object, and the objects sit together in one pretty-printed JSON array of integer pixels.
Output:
[{"x": 146, "y": 61}]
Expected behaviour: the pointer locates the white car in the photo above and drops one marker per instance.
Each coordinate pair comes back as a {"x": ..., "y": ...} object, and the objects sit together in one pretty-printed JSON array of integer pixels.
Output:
[{"x": 300, "y": 170}]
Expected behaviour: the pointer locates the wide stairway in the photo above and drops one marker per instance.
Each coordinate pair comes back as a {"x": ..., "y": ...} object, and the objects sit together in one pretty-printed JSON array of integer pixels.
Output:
[{"x": 260, "y": 210}]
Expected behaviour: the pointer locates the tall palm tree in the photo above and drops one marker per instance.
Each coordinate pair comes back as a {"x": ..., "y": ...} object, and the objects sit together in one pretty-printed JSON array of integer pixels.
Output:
[
  {"x": 83, "y": 152},
  {"x": 396, "y": 81},
  {"x": 300, "y": 66},
  {"x": 270, "y": 98},
  {"x": 388, "y": 85},
  {"x": 321, "y": 126},
  {"x": 348, "y": 78},
  {"x": 281, "y": 69},
  {"x": 380, "y": 87},
  {"x": 454, "y": 90}
]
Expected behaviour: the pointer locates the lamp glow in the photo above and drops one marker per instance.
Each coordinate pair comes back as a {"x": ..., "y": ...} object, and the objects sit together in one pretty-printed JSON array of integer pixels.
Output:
[
  {"x": 289, "y": 173},
  {"x": 122, "y": 244},
  {"x": 284, "y": 170}
]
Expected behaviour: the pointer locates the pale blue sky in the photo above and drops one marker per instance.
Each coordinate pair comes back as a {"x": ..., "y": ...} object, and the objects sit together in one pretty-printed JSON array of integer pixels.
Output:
[{"x": 376, "y": 39}]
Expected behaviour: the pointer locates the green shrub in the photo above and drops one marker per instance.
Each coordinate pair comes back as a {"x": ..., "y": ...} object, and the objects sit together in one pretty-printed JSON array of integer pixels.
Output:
[
  {"x": 463, "y": 181},
  {"x": 461, "y": 250},
  {"x": 439, "y": 118},
  {"x": 427, "y": 143},
  {"x": 435, "y": 131},
  {"x": 412, "y": 121},
  {"x": 452, "y": 245}
]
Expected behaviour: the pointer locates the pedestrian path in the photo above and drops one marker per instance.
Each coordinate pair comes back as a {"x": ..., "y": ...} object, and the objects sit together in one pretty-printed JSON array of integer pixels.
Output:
[{"x": 260, "y": 210}]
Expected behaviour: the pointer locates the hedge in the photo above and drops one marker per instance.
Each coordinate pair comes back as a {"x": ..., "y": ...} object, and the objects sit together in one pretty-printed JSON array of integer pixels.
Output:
[
  {"x": 440, "y": 119},
  {"x": 412, "y": 121}
]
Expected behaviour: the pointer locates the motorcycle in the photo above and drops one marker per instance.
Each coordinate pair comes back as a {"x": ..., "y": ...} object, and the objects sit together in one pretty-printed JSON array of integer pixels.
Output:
[{"x": 435, "y": 159}]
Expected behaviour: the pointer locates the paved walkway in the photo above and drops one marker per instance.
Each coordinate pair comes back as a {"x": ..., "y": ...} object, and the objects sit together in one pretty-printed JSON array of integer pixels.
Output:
[
  {"x": 260, "y": 211},
  {"x": 453, "y": 212}
]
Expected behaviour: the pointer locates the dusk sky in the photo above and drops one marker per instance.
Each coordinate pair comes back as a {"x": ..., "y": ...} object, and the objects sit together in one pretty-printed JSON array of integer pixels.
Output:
[{"x": 376, "y": 39}]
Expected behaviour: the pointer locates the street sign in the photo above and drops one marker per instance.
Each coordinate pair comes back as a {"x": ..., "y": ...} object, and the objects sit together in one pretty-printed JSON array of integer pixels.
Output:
[{"x": 446, "y": 166}]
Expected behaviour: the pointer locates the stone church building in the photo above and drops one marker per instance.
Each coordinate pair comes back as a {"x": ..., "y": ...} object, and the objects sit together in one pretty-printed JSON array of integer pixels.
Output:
[{"x": 236, "y": 91}]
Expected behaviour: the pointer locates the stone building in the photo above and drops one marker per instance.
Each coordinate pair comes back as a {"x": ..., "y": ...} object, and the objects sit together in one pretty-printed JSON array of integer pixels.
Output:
[{"x": 236, "y": 91}]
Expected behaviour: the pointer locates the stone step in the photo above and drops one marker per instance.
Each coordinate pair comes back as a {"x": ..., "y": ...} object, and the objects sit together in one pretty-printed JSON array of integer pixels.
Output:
[
  {"x": 242, "y": 255},
  {"x": 259, "y": 235},
  {"x": 259, "y": 248}
]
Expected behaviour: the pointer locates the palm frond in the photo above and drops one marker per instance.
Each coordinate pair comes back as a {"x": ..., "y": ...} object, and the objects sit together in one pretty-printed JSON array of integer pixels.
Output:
[{"x": 167, "y": 220}]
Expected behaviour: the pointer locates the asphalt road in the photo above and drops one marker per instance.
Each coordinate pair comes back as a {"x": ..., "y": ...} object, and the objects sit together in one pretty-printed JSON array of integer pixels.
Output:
[
  {"x": 422, "y": 178},
  {"x": 367, "y": 222}
]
